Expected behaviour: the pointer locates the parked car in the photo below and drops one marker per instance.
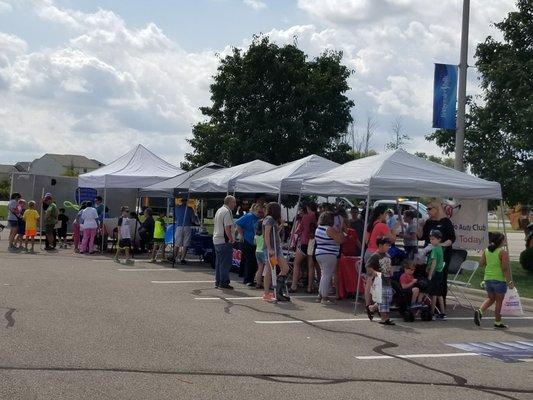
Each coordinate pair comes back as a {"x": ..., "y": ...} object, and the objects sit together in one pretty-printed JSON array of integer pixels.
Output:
[{"x": 404, "y": 205}]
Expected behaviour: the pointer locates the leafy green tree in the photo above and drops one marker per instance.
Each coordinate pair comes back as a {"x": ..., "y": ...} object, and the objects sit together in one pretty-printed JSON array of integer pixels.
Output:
[
  {"x": 271, "y": 102},
  {"x": 446, "y": 161},
  {"x": 356, "y": 154},
  {"x": 499, "y": 135},
  {"x": 5, "y": 188}
]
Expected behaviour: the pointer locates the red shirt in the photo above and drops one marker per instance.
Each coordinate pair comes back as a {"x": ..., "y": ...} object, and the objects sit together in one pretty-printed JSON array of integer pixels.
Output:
[
  {"x": 379, "y": 229},
  {"x": 406, "y": 279},
  {"x": 307, "y": 225}
]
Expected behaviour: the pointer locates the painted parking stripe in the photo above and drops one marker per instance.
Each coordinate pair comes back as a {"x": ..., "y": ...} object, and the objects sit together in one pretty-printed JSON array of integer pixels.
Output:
[
  {"x": 508, "y": 351},
  {"x": 442, "y": 355},
  {"x": 172, "y": 282},
  {"x": 146, "y": 269},
  {"x": 283, "y": 322},
  {"x": 245, "y": 298}
]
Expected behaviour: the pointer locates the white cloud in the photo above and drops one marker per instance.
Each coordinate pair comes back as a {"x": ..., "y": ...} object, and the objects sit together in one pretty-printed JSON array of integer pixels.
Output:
[
  {"x": 5, "y": 7},
  {"x": 108, "y": 85},
  {"x": 255, "y": 4}
]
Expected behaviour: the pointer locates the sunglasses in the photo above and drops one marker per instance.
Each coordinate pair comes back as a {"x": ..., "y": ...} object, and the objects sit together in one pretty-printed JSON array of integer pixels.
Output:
[{"x": 430, "y": 208}]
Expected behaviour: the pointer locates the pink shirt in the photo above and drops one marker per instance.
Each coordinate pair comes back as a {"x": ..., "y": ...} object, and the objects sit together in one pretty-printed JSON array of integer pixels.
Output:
[
  {"x": 380, "y": 229},
  {"x": 307, "y": 225}
]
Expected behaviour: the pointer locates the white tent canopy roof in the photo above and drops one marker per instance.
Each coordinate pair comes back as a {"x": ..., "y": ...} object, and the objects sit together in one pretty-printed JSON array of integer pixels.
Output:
[
  {"x": 286, "y": 178},
  {"x": 137, "y": 168},
  {"x": 180, "y": 183},
  {"x": 223, "y": 181},
  {"x": 399, "y": 173}
]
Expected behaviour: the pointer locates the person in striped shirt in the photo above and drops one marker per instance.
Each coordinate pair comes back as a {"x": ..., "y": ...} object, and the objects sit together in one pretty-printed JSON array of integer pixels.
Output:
[{"x": 328, "y": 241}]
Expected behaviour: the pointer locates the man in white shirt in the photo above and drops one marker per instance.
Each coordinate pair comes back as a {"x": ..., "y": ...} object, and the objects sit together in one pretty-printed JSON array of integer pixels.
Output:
[{"x": 223, "y": 240}]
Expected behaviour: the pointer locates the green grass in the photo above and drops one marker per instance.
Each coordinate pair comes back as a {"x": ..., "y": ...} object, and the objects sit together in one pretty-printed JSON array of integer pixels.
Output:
[
  {"x": 3, "y": 213},
  {"x": 522, "y": 279}
]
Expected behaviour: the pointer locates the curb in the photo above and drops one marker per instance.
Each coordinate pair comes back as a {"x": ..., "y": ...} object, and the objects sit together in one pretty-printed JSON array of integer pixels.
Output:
[{"x": 477, "y": 295}]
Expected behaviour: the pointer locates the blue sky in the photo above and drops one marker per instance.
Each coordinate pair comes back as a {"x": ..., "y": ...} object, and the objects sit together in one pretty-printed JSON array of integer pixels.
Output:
[{"x": 97, "y": 77}]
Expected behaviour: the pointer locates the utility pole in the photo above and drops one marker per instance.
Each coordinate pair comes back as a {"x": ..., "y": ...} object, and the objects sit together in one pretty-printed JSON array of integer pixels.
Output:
[{"x": 461, "y": 102}]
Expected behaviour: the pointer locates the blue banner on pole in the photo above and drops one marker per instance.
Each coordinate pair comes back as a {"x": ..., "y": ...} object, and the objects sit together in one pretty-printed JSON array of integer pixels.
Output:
[{"x": 445, "y": 96}]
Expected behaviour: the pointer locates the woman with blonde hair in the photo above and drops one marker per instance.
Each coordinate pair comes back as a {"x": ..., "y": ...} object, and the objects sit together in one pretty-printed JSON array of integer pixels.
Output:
[{"x": 438, "y": 221}]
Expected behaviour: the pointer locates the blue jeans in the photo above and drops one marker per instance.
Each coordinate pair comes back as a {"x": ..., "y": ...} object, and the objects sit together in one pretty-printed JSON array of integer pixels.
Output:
[{"x": 223, "y": 260}]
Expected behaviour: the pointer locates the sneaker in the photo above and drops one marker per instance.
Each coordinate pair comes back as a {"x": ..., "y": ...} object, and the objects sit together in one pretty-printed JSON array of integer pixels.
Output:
[
  {"x": 440, "y": 317},
  {"x": 183, "y": 261},
  {"x": 227, "y": 286},
  {"x": 500, "y": 325},
  {"x": 477, "y": 317},
  {"x": 115, "y": 260},
  {"x": 151, "y": 261},
  {"x": 268, "y": 297},
  {"x": 387, "y": 322},
  {"x": 130, "y": 262}
]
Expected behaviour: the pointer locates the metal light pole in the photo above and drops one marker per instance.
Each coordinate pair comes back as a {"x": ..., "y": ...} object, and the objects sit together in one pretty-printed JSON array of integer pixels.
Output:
[{"x": 461, "y": 103}]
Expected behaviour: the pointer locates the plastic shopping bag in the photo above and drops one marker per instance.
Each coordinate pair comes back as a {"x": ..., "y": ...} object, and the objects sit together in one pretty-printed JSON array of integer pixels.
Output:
[
  {"x": 375, "y": 290},
  {"x": 512, "y": 306}
]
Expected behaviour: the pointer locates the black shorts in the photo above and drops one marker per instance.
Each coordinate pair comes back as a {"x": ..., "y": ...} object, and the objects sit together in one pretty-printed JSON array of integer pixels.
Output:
[
  {"x": 303, "y": 248},
  {"x": 159, "y": 240},
  {"x": 124, "y": 243},
  {"x": 436, "y": 284},
  {"x": 62, "y": 232},
  {"x": 13, "y": 224},
  {"x": 21, "y": 228}
]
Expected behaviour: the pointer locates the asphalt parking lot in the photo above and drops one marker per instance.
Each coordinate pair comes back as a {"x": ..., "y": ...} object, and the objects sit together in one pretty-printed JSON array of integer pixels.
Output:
[{"x": 83, "y": 327}]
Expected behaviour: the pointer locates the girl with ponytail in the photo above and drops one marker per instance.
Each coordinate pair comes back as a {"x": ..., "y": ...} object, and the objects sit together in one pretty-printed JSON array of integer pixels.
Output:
[{"x": 495, "y": 259}]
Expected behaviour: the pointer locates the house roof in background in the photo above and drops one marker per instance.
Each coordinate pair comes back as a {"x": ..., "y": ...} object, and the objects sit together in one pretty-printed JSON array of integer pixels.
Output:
[
  {"x": 67, "y": 160},
  {"x": 7, "y": 169},
  {"x": 23, "y": 166}
]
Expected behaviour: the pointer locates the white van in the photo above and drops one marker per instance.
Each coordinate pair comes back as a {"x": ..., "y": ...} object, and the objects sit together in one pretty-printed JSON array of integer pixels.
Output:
[{"x": 405, "y": 205}]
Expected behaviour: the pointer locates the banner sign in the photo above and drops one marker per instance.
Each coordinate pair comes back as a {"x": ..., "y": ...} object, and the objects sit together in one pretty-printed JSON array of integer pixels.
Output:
[
  {"x": 85, "y": 194},
  {"x": 470, "y": 220},
  {"x": 444, "y": 96}
]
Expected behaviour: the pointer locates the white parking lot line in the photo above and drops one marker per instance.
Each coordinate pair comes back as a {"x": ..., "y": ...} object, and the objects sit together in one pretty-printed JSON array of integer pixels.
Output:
[
  {"x": 442, "y": 355},
  {"x": 146, "y": 269},
  {"x": 283, "y": 322},
  {"x": 171, "y": 282},
  {"x": 244, "y": 298}
]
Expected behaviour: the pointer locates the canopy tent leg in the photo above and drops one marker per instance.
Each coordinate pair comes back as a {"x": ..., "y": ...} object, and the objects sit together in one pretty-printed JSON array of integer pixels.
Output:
[
  {"x": 103, "y": 223},
  {"x": 363, "y": 247},
  {"x": 40, "y": 220},
  {"x": 505, "y": 234},
  {"x": 173, "y": 229},
  {"x": 138, "y": 206},
  {"x": 279, "y": 197},
  {"x": 202, "y": 214}
]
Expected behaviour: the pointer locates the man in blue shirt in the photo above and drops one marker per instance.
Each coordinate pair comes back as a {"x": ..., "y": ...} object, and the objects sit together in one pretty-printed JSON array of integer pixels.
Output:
[
  {"x": 246, "y": 228},
  {"x": 184, "y": 217}
]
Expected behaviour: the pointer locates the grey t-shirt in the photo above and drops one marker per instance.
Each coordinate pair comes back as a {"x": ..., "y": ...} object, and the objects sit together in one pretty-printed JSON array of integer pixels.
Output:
[
  {"x": 274, "y": 233},
  {"x": 409, "y": 230},
  {"x": 11, "y": 205}
]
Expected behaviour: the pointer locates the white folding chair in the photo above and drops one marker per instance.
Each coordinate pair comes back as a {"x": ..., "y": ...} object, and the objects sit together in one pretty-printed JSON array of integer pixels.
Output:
[{"x": 457, "y": 287}]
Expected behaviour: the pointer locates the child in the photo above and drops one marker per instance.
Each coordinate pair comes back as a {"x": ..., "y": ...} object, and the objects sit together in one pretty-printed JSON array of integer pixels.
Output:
[
  {"x": 159, "y": 237},
  {"x": 259, "y": 254},
  {"x": 381, "y": 262},
  {"x": 124, "y": 235},
  {"x": 410, "y": 241},
  {"x": 21, "y": 225},
  {"x": 409, "y": 282},
  {"x": 497, "y": 278},
  {"x": 435, "y": 274},
  {"x": 31, "y": 218},
  {"x": 62, "y": 230}
]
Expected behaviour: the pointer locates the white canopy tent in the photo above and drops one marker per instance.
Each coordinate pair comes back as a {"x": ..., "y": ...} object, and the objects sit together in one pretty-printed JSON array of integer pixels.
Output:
[
  {"x": 181, "y": 182},
  {"x": 136, "y": 169},
  {"x": 399, "y": 173},
  {"x": 223, "y": 181},
  {"x": 287, "y": 178}
]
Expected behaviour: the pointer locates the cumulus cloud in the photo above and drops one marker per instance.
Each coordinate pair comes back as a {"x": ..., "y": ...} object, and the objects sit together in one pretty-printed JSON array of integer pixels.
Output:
[
  {"x": 107, "y": 84},
  {"x": 255, "y": 4}
]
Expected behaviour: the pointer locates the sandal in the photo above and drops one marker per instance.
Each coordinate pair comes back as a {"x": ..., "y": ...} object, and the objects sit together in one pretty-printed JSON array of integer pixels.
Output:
[
  {"x": 369, "y": 313},
  {"x": 387, "y": 322}
]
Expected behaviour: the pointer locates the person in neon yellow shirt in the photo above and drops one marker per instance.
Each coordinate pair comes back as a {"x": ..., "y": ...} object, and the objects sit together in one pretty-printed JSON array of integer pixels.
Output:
[
  {"x": 31, "y": 218},
  {"x": 497, "y": 278},
  {"x": 159, "y": 237}
]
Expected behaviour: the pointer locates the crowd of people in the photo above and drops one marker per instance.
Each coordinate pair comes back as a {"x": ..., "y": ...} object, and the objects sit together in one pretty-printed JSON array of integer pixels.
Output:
[
  {"x": 308, "y": 254},
  {"x": 321, "y": 234}
]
